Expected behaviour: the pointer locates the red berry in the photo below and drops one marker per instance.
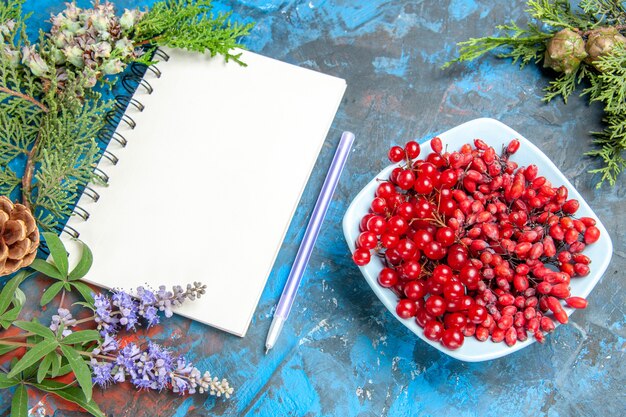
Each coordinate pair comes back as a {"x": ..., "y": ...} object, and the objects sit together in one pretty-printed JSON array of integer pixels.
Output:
[
  {"x": 415, "y": 289},
  {"x": 570, "y": 206},
  {"x": 387, "y": 277},
  {"x": 477, "y": 314},
  {"x": 367, "y": 240},
  {"x": 453, "y": 290},
  {"x": 379, "y": 205},
  {"x": 458, "y": 320},
  {"x": 412, "y": 270},
  {"x": 452, "y": 338},
  {"x": 406, "y": 308},
  {"x": 412, "y": 149},
  {"x": 560, "y": 291},
  {"x": 396, "y": 154},
  {"x": 389, "y": 240},
  {"x": 513, "y": 146},
  {"x": 423, "y": 185},
  {"x": 576, "y": 302},
  {"x": 361, "y": 256},
  {"x": 592, "y": 234},
  {"x": 376, "y": 224},
  {"x": 433, "y": 330},
  {"x": 510, "y": 337},
  {"x": 435, "y": 145},
  {"x": 405, "y": 179},
  {"x": 435, "y": 305},
  {"x": 385, "y": 190}
]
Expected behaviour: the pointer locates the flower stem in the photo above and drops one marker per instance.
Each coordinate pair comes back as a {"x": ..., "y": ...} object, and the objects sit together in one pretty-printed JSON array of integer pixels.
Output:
[
  {"x": 25, "y": 97},
  {"x": 85, "y": 320},
  {"x": 62, "y": 299},
  {"x": 9, "y": 343},
  {"x": 18, "y": 336}
]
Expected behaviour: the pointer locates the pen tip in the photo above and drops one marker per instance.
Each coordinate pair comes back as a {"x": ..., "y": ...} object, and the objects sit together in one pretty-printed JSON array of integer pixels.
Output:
[{"x": 267, "y": 350}]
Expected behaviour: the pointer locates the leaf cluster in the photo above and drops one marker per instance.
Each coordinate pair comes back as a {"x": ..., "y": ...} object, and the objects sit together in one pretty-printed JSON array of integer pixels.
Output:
[
  {"x": 58, "y": 269},
  {"x": 605, "y": 80},
  {"x": 49, "y": 354}
]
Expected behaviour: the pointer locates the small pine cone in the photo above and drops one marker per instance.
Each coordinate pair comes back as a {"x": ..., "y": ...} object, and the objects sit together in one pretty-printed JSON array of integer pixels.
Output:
[
  {"x": 565, "y": 51},
  {"x": 115, "y": 30},
  {"x": 19, "y": 236},
  {"x": 601, "y": 42}
]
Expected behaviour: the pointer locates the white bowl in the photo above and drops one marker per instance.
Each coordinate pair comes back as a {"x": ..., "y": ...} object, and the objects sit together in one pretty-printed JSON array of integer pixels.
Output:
[{"x": 495, "y": 134}]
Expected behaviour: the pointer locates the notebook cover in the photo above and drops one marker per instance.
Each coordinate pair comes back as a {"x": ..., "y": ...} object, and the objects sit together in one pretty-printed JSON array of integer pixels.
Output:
[{"x": 209, "y": 181}]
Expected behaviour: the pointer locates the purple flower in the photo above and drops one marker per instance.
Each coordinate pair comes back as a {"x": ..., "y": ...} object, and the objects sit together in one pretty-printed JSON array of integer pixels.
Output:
[
  {"x": 127, "y": 308},
  {"x": 108, "y": 345},
  {"x": 62, "y": 320},
  {"x": 148, "y": 369},
  {"x": 147, "y": 309},
  {"x": 102, "y": 373},
  {"x": 104, "y": 314},
  {"x": 154, "y": 368}
]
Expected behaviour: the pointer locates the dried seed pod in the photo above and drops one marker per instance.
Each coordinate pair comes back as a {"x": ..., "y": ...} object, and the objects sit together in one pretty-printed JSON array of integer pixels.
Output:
[
  {"x": 565, "y": 51},
  {"x": 19, "y": 236},
  {"x": 601, "y": 42}
]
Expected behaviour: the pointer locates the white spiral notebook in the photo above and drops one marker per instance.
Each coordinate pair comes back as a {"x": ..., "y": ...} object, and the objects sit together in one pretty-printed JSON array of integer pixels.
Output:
[{"x": 209, "y": 180}]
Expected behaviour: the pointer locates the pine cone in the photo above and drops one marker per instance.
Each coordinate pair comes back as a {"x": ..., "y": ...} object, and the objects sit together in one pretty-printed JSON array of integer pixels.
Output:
[
  {"x": 19, "y": 236},
  {"x": 565, "y": 51},
  {"x": 601, "y": 42}
]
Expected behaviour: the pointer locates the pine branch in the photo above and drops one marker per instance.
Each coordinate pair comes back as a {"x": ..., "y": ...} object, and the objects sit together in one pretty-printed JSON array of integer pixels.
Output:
[
  {"x": 525, "y": 45},
  {"x": 611, "y": 12},
  {"x": 611, "y": 81},
  {"x": 24, "y": 97},
  {"x": 556, "y": 13},
  {"x": 190, "y": 25},
  {"x": 565, "y": 85}
]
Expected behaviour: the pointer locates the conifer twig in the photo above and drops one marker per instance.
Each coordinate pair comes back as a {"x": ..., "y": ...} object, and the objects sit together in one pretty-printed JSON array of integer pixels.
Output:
[
  {"x": 29, "y": 170},
  {"x": 24, "y": 97}
]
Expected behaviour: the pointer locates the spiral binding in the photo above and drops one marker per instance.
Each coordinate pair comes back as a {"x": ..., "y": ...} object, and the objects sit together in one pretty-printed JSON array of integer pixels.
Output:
[{"x": 131, "y": 82}]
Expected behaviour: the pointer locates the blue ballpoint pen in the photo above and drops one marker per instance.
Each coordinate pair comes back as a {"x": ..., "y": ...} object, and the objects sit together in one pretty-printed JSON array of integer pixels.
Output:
[{"x": 308, "y": 242}]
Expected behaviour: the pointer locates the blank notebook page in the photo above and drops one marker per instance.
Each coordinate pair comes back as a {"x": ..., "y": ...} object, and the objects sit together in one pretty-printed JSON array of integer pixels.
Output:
[{"x": 208, "y": 183}]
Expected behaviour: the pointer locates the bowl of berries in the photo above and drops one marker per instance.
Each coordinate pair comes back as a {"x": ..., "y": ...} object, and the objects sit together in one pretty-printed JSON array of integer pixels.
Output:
[{"x": 476, "y": 242}]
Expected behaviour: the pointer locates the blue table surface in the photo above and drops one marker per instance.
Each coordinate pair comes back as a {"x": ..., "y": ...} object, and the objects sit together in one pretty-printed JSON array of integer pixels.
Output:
[{"x": 341, "y": 353}]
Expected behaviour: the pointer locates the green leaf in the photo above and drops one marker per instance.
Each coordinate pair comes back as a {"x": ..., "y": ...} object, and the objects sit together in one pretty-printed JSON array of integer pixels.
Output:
[
  {"x": 71, "y": 394},
  {"x": 36, "y": 328},
  {"x": 33, "y": 355},
  {"x": 58, "y": 252},
  {"x": 55, "y": 365},
  {"x": 46, "y": 268},
  {"x": 6, "y": 382},
  {"x": 81, "y": 337},
  {"x": 8, "y": 292},
  {"x": 51, "y": 292},
  {"x": 83, "y": 266},
  {"x": 81, "y": 370},
  {"x": 85, "y": 291},
  {"x": 65, "y": 369},
  {"x": 19, "y": 298},
  {"x": 19, "y": 405},
  {"x": 84, "y": 304},
  {"x": 10, "y": 316},
  {"x": 45, "y": 366},
  {"x": 6, "y": 349}
]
